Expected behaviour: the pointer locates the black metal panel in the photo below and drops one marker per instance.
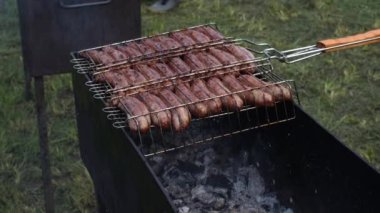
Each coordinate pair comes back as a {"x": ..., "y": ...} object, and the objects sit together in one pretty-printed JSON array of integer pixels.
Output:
[
  {"x": 313, "y": 171},
  {"x": 51, "y": 29},
  {"x": 123, "y": 180}
]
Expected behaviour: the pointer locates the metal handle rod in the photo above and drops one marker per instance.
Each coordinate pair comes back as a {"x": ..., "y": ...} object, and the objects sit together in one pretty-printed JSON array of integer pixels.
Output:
[
  {"x": 63, "y": 4},
  {"x": 314, "y": 50}
]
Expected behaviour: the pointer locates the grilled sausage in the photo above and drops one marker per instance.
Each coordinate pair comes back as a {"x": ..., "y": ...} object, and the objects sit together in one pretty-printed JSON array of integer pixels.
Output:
[
  {"x": 98, "y": 56},
  {"x": 178, "y": 65},
  {"x": 223, "y": 56},
  {"x": 164, "y": 69},
  {"x": 232, "y": 84},
  {"x": 129, "y": 50},
  {"x": 167, "y": 42},
  {"x": 115, "y": 78},
  {"x": 157, "y": 46},
  {"x": 145, "y": 50},
  {"x": 186, "y": 95},
  {"x": 182, "y": 38},
  {"x": 197, "y": 36},
  {"x": 116, "y": 54},
  {"x": 210, "y": 61},
  {"x": 254, "y": 97},
  {"x": 180, "y": 115},
  {"x": 200, "y": 90},
  {"x": 230, "y": 102},
  {"x": 134, "y": 76},
  {"x": 242, "y": 54},
  {"x": 166, "y": 72},
  {"x": 262, "y": 98},
  {"x": 162, "y": 118},
  {"x": 279, "y": 92},
  {"x": 212, "y": 33},
  {"x": 193, "y": 61},
  {"x": 134, "y": 107},
  {"x": 148, "y": 72}
]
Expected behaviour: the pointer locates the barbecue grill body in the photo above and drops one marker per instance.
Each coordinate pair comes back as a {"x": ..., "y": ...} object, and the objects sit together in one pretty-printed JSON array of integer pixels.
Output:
[
  {"x": 313, "y": 171},
  {"x": 50, "y": 30}
]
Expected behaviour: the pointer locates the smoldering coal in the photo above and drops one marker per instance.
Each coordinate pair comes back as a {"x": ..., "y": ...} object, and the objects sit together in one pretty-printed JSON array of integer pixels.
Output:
[{"x": 214, "y": 178}]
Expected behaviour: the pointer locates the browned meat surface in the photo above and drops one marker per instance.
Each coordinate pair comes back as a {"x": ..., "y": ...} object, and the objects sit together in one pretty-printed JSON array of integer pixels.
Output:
[
  {"x": 230, "y": 102},
  {"x": 129, "y": 50},
  {"x": 277, "y": 91},
  {"x": 98, "y": 57},
  {"x": 180, "y": 115},
  {"x": 156, "y": 45},
  {"x": 115, "y": 78},
  {"x": 159, "y": 116},
  {"x": 168, "y": 43},
  {"x": 116, "y": 54},
  {"x": 144, "y": 49},
  {"x": 164, "y": 69},
  {"x": 186, "y": 95},
  {"x": 240, "y": 52},
  {"x": 223, "y": 56},
  {"x": 134, "y": 107},
  {"x": 252, "y": 97},
  {"x": 199, "y": 88},
  {"x": 194, "y": 63},
  {"x": 210, "y": 61},
  {"x": 178, "y": 65},
  {"x": 182, "y": 38},
  {"x": 134, "y": 76},
  {"x": 147, "y": 72},
  {"x": 210, "y": 32},
  {"x": 197, "y": 36}
]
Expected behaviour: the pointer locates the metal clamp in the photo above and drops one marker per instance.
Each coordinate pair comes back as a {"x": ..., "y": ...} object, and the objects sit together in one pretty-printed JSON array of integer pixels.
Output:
[{"x": 63, "y": 4}]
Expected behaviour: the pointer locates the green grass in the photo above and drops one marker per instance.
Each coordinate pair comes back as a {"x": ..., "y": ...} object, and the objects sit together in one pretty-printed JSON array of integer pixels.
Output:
[{"x": 341, "y": 90}]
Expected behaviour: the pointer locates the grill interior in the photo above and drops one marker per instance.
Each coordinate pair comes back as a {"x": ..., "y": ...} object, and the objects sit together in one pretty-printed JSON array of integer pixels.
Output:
[{"x": 214, "y": 126}]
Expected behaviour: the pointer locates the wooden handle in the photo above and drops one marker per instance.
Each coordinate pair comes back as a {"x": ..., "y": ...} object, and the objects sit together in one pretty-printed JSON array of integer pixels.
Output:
[{"x": 331, "y": 43}]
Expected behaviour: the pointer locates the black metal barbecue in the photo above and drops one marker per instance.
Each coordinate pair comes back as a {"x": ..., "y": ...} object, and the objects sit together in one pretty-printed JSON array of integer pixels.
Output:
[
  {"x": 268, "y": 158},
  {"x": 49, "y": 31}
]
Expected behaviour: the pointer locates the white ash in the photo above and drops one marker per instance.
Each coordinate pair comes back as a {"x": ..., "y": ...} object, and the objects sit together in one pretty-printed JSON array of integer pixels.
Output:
[{"x": 214, "y": 180}]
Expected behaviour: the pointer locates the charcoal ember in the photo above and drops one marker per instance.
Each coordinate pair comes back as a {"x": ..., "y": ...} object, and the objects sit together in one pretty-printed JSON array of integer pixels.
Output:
[
  {"x": 287, "y": 210},
  {"x": 218, "y": 180},
  {"x": 251, "y": 208},
  {"x": 190, "y": 167},
  {"x": 157, "y": 164},
  {"x": 182, "y": 178},
  {"x": 184, "y": 156},
  {"x": 176, "y": 191},
  {"x": 223, "y": 192},
  {"x": 212, "y": 178},
  {"x": 184, "y": 209},
  {"x": 200, "y": 194},
  {"x": 255, "y": 182},
  {"x": 177, "y": 202},
  {"x": 219, "y": 203}
]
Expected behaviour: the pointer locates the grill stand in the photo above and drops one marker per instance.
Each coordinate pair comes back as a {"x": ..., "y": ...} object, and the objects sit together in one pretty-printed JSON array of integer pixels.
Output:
[
  {"x": 313, "y": 170},
  {"x": 56, "y": 27},
  {"x": 44, "y": 142}
]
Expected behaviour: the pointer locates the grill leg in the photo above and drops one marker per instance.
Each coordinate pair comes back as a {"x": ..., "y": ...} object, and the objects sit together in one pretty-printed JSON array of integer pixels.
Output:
[
  {"x": 28, "y": 86},
  {"x": 44, "y": 146}
]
